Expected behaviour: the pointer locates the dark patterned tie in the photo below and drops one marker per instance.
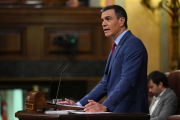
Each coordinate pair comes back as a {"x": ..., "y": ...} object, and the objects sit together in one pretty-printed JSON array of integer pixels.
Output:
[{"x": 113, "y": 47}]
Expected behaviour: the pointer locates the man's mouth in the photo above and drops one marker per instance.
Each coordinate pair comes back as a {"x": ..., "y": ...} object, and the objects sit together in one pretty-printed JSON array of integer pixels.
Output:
[{"x": 106, "y": 30}]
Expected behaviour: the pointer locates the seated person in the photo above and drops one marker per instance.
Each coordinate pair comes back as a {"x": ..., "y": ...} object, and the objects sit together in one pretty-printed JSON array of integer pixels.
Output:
[{"x": 164, "y": 102}]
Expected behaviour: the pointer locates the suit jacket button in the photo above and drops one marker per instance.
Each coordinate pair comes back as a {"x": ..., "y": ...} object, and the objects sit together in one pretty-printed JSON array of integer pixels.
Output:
[{"x": 108, "y": 90}]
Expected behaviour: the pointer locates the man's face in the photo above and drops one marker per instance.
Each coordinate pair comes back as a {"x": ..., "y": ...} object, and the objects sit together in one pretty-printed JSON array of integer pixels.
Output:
[
  {"x": 153, "y": 88},
  {"x": 110, "y": 24}
]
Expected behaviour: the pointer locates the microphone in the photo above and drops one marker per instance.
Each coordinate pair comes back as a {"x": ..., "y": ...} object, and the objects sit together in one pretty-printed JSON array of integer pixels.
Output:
[
  {"x": 55, "y": 107},
  {"x": 54, "y": 76}
]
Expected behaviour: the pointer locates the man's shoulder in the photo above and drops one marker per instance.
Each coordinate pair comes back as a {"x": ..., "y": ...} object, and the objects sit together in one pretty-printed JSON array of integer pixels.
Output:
[
  {"x": 170, "y": 93},
  {"x": 134, "y": 41},
  {"x": 132, "y": 38}
]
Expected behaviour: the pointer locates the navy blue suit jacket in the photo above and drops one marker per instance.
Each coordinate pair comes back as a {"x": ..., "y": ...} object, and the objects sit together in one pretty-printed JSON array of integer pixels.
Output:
[{"x": 125, "y": 78}]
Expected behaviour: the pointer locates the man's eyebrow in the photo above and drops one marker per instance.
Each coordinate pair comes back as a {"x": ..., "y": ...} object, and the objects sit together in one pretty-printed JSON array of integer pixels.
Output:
[{"x": 106, "y": 17}]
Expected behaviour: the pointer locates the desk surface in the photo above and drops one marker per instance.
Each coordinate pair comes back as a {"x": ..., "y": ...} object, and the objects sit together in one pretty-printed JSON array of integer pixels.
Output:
[{"x": 23, "y": 115}]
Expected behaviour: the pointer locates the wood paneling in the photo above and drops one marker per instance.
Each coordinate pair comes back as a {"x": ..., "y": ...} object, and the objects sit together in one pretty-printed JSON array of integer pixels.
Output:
[
  {"x": 84, "y": 41},
  {"x": 50, "y": 79},
  {"x": 12, "y": 41},
  {"x": 7, "y": 2},
  {"x": 87, "y": 46},
  {"x": 34, "y": 2},
  {"x": 32, "y": 31}
]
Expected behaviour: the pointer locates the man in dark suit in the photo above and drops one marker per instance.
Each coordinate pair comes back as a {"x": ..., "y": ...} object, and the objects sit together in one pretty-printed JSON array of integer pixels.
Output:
[
  {"x": 164, "y": 102},
  {"x": 124, "y": 81}
]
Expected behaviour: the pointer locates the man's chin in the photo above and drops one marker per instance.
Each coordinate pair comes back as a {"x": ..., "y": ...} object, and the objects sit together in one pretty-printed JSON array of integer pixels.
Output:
[{"x": 107, "y": 35}]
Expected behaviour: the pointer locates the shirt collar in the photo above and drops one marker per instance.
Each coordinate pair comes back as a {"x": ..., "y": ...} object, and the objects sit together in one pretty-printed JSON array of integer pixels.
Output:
[
  {"x": 117, "y": 40},
  {"x": 160, "y": 94}
]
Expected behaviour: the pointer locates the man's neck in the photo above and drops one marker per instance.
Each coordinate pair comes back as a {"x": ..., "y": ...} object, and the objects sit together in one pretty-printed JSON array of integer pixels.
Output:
[
  {"x": 122, "y": 30},
  {"x": 162, "y": 90},
  {"x": 118, "y": 39}
]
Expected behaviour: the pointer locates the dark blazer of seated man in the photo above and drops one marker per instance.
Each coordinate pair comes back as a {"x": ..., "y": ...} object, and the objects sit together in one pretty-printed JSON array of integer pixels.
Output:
[{"x": 164, "y": 101}]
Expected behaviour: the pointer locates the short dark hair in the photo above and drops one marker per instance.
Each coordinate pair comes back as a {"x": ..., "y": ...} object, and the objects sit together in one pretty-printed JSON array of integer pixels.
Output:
[
  {"x": 119, "y": 11},
  {"x": 158, "y": 77}
]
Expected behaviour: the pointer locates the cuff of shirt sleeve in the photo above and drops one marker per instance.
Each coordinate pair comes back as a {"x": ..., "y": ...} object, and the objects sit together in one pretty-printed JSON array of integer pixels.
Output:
[
  {"x": 107, "y": 109},
  {"x": 79, "y": 104}
]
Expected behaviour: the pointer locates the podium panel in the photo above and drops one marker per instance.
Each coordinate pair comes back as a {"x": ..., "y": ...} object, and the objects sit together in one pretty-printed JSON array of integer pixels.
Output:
[
  {"x": 174, "y": 117},
  {"x": 24, "y": 115},
  {"x": 36, "y": 99}
]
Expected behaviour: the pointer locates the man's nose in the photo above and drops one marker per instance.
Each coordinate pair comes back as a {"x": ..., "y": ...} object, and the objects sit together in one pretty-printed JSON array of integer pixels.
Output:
[
  {"x": 150, "y": 90},
  {"x": 103, "y": 23}
]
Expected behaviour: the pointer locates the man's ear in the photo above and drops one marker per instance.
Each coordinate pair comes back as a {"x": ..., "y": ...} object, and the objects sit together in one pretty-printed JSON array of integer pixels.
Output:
[
  {"x": 160, "y": 84},
  {"x": 121, "y": 21}
]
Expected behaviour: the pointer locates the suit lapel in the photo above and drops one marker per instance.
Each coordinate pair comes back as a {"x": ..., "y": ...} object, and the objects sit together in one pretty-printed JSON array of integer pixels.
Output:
[
  {"x": 160, "y": 102},
  {"x": 118, "y": 48},
  {"x": 107, "y": 64}
]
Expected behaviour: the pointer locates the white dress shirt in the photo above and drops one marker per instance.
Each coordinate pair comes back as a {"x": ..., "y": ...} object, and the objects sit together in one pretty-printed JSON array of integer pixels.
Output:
[{"x": 156, "y": 102}]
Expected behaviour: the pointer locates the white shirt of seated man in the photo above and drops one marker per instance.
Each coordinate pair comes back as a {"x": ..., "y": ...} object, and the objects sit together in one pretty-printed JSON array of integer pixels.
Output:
[{"x": 157, "y": 99}]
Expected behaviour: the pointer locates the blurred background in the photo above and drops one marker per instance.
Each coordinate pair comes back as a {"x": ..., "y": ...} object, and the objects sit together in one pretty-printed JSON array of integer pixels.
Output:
[{"x": 38, "y": 36}]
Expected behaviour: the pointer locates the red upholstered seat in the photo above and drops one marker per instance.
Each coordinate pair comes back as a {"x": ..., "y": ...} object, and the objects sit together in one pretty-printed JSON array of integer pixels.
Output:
[
  {"x": 174, "y": 83},
  {"x": 178, "y": 65}
]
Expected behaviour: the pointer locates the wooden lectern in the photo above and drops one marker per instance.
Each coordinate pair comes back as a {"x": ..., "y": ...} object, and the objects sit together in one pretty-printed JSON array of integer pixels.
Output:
[
  {"x": 36, "y": 99},
  {"x": 23, "y": 115}
]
